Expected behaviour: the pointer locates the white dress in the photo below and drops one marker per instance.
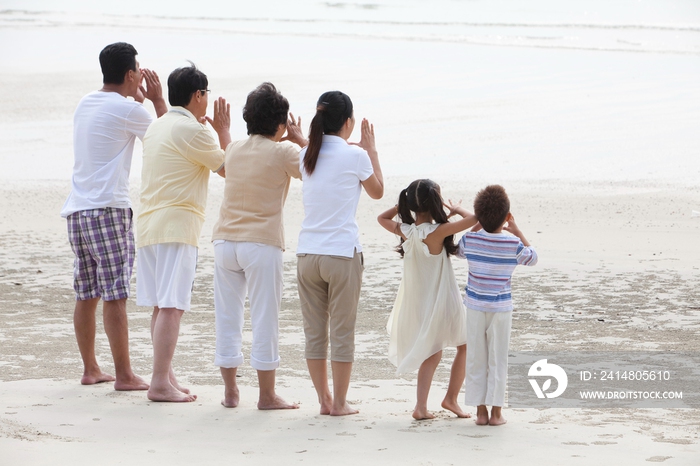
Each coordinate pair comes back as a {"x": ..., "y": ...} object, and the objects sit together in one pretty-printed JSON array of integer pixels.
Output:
[{"x": 428, "y": 314}]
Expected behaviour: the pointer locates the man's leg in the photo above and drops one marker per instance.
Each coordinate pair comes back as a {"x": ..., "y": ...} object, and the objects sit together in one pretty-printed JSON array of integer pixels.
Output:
[
  {"x": 85, "y": 328},
  {"x": 173, "y": 379},
  {"x": 165, "y": 334},
  {"x": 117, "y": 330}
]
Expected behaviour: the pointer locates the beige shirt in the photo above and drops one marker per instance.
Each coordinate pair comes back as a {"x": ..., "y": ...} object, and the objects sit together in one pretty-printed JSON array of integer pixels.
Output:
[
  {"x": 258, "y": 173},
  {"x": 178, "y": 154}
]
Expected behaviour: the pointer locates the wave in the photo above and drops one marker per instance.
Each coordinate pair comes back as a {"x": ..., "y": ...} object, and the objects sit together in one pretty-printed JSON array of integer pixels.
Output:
[
  {"x": 572, "y": 36},
  {"x": 551, "y": 25}
]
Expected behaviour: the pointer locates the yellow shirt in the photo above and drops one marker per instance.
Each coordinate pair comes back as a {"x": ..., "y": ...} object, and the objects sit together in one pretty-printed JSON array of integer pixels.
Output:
[
  {"x": 258, "y": 172},
  {"x": 178, "y": 153}
]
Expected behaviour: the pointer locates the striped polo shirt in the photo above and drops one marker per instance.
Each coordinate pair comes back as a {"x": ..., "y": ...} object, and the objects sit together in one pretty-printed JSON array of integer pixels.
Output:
[{"x": 492, "y": 258}]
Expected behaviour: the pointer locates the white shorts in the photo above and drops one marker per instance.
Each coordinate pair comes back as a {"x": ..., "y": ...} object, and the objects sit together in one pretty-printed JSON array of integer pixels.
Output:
[{"x": 165, "y": 275}]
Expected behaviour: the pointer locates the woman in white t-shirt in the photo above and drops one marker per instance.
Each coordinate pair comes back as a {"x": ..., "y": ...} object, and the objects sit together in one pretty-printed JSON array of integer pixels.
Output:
[{"x": 330, "y": 263}]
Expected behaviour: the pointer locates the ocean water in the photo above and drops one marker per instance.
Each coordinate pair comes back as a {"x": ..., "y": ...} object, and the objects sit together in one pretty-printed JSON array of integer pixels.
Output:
[{"x": 497, "y": 90}]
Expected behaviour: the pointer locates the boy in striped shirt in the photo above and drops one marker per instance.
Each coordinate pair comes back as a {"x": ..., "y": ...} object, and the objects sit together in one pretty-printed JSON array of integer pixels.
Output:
[{"x": 492, "y": 256}]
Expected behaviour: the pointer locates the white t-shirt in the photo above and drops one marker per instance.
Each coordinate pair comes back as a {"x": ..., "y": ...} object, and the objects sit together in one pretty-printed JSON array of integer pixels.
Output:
[
  {"x": 105, "y": 127},
  {"x": 331, "y": 195}
]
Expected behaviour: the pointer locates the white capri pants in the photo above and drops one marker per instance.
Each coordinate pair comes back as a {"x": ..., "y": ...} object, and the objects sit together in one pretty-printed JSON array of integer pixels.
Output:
[
  {"x": 488, "y": 338},
  {"x": 255, "y": 268}
]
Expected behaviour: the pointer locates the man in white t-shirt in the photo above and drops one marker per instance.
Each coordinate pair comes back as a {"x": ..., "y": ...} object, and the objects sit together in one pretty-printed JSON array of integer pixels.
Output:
[{"x": 98, "y": 209}]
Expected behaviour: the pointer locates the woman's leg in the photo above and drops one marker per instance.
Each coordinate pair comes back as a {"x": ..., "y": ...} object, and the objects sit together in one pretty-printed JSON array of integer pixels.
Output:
[
  {"x": 341, "y": 383},
  {"x": 344, "y": 283},
  {"x": 318, "y": 371},
  {"x": 425, "y": 379},
  {"x": 229, "y": 306},
  {"x": 313, "y": 297},
  {"x": 263, "y": 267}
]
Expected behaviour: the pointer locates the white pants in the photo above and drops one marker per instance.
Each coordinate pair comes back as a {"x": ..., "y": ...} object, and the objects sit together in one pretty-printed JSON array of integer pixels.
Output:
[
  {"x": 257, "y": 269},
  {"x": 165, "y": 275},
  {"x": 488, "y": 337}
]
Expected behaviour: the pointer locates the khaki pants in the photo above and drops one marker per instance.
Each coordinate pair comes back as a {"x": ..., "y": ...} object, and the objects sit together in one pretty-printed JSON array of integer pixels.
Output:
[{"x": 329, "y": 290}]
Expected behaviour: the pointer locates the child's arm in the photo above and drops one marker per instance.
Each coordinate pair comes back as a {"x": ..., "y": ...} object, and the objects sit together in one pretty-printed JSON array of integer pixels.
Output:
[
  {"x": 450, "y": 228},
  {"x": 512, "y": 227},
  {"x": 386, "y": 220},
  {"x": 526, "y": 255}
]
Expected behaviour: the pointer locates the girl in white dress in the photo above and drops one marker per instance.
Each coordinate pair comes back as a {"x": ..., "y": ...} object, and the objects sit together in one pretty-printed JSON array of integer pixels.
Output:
[{"x": 428, "y": 314}]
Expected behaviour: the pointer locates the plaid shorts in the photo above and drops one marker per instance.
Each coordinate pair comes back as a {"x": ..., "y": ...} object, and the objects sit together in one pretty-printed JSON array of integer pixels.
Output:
[{"x": 103, "y": 243}]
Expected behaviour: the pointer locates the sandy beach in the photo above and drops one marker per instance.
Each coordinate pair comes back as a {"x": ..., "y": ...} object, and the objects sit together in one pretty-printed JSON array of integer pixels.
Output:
[
  {"x": 587, "y": 115},
  {"x": 641, "y": 281}
]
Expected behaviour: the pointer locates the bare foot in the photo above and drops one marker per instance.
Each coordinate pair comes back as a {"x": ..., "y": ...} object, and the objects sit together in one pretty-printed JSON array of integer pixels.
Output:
[
  {"x": 422, "y": 414},
  {"x": 174, "y": 383},
  {"x": 92, "y": 379},
  {"x": 497, "y": 421},
  {"x": 455, "y": 408},
  {"x": 133, "y": 383},
  {"x": 231, "y": 398},
  {"x": 482, "y": 416},
  {"x": 326, "y": 405},
  {"x": 170, "y": 394},
  {"x": 344, "y": 411},
  {"x": 276, "y": 403}
]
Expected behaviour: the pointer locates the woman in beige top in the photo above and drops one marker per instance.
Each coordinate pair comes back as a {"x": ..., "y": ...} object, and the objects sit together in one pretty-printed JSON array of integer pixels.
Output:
[{"x": 249, "y": 241}]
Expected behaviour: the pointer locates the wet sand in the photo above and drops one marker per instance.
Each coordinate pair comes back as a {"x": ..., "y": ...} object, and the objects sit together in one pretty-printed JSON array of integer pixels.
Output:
[{"x": 619, "y": 267}]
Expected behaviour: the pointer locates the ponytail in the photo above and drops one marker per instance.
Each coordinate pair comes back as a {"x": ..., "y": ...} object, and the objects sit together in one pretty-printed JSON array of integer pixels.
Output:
[
  {"x": 405, "y": 216},
  {"x": 423, "y": 196},
  {"x": 315, "y": 140},
  {"x": 333, "y": 109}
]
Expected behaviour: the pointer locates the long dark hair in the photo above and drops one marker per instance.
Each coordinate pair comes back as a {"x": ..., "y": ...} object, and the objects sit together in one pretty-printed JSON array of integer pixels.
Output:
[
  {"x": 423, "y": 196},
  {"x": 332, "y": 111}
]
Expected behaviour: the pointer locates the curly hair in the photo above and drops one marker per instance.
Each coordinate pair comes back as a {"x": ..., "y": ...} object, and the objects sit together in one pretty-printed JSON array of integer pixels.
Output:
[
  {"x": 265, "y": 109},
  {"x": 423, "y": 196},
  {"x": 491, "y": 207}
]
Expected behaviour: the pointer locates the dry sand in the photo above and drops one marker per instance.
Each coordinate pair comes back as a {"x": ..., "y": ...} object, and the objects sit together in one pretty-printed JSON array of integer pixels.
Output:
[{"x": 625, "y": 253}]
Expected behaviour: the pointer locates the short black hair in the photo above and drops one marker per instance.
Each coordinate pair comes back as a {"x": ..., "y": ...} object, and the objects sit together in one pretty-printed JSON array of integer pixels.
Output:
[
  {"x": 116, "y": 60},
  {"x": 491, "y": 207},
  {"x": 183, "y": 82},
  {"x": 265, "y": 109}
]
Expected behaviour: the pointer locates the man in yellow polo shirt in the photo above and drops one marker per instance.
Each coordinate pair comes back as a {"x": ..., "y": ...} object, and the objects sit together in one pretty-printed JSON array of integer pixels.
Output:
[{"x": 179, "y": 152}]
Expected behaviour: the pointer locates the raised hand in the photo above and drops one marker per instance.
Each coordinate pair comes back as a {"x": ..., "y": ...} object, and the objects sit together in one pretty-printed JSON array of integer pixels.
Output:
[
  {"x": 221, "y": 121},
  {"x": 294, "y": 132},
  {"x": 367, "y": 137},
  {"x": 222, "y": 116},
  {"x": 152, "y": 91},
  {"x": 511, "y": 226},
  {"x": 452, "y": 207}
]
